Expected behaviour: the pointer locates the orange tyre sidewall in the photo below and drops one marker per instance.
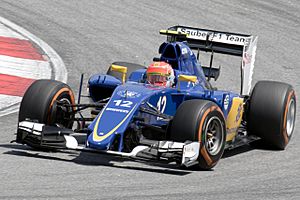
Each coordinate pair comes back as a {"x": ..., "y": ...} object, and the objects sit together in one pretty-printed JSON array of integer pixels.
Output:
[
  {"x": 284, "y": 130},
  {"x": 203, "y": 151}
]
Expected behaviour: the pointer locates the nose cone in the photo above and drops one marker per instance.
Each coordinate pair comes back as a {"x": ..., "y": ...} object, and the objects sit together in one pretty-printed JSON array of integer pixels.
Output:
[{"x": 111, "y": 122}]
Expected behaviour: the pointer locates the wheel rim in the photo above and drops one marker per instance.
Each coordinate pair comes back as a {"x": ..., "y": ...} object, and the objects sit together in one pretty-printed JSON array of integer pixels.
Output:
[
  {"x": 213, "y": 135},
  {"x": 290, "y": 117}
]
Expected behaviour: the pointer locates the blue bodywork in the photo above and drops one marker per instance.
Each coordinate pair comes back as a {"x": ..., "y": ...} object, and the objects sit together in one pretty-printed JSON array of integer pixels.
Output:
[{"x": 126, "y": 100}]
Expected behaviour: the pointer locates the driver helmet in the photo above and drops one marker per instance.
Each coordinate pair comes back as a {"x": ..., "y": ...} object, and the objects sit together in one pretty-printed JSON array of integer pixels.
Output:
[{"x": 160, "y": 74}]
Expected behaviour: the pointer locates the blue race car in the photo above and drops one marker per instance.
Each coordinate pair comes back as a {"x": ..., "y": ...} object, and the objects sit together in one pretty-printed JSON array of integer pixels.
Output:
[{"x": 167, "y": 111}]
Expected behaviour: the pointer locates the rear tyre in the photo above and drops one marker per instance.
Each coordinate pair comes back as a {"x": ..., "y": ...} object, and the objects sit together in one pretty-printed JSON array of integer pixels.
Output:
[
  {"x": 39, "y": 103},
  {"x": 131, "y": 67},
  {"x": 272, "y": 113},
  {"x": 203, "y": 121}
]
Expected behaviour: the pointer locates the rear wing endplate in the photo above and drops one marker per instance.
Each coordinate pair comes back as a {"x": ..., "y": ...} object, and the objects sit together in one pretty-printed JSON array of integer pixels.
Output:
[{"x": 219, "y": 42}]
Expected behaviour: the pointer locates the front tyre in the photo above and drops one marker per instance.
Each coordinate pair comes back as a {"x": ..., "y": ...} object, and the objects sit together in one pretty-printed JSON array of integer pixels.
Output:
[
  {"x": 203, "y": 121},
  {"x": 272, "y": 113},
  {"x": 40, "y": 103}
]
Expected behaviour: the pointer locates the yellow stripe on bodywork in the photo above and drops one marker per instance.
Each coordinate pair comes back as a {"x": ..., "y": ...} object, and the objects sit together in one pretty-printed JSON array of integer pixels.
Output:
[
  {"x": 187, "y": 78},
  {"x": 98, "y": 138},
  {"x": 234, "y": 118},
  {"x": 171, "y": 32}
]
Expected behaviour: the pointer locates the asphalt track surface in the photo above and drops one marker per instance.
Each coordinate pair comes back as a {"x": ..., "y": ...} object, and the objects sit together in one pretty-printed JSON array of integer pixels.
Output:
[{"x": 89, "y": 35}]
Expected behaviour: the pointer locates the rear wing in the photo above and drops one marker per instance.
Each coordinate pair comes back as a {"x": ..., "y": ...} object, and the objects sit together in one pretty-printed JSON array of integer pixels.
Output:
[{"x": 234, "y": 44}]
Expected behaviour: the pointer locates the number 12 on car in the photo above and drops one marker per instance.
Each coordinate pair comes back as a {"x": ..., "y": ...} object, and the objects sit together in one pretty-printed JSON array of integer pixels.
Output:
[
  {"x": 122, "y": 103},
  {"x": 161, "y": 105}
]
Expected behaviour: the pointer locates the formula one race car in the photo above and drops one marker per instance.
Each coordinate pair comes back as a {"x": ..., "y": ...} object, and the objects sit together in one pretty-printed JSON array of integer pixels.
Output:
[{"x": 168, "y": 111}]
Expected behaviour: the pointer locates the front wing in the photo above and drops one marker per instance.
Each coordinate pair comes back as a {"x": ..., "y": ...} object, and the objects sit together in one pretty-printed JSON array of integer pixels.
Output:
[{"x": 49, "y": 137}]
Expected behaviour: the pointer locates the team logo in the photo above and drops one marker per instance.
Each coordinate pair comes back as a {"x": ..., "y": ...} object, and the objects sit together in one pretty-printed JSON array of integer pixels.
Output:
[
  {"x": 128, "y": 94},
  {"x": 226, "y": 102},
  {"x": 247, "y": 58}
]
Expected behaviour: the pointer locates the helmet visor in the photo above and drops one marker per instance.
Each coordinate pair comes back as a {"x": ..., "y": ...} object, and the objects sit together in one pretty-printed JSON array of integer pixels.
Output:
[{"x": 156, "y": 79}]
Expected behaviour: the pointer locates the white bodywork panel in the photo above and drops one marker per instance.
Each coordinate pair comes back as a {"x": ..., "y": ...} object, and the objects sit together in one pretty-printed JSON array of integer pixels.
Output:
[{"x": 248, "y": 66}]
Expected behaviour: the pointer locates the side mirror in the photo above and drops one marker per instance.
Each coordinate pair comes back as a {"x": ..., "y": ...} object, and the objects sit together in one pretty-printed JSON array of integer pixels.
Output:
[
  {"x": 186, "y": 78},
  {"x": 120, "y": 69}
]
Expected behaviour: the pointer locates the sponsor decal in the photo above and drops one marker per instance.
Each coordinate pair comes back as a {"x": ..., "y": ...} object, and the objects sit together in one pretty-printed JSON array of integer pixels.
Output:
[
  {"x": 215, "y": 36},
  {"x": 239, "y": 113},
  {"x": 128, "y": 94},
  {"x": 246, "y": 58},
  {"x": 226, "y": 102},
  {"x": 117, "y": 110},
  {"x": 184, "y": 50}
]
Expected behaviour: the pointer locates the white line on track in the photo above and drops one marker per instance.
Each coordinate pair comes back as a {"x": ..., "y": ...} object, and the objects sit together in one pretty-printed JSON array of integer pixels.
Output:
[
  {"x": 26, "y": 68},
  {"x": 7, "y": 32}
]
